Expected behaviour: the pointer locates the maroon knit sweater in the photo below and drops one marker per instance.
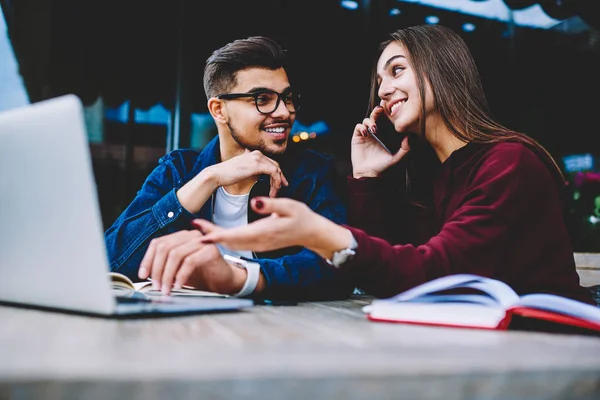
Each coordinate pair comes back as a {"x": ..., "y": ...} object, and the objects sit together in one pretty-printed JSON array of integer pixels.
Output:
[{"x": 496, "y": 213}]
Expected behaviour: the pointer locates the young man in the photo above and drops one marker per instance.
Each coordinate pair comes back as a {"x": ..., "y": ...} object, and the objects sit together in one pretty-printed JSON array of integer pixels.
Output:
[{"x": 254, "y": 107}]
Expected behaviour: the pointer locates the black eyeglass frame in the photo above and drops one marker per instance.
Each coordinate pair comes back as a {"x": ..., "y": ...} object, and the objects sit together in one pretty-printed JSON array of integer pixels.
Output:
[{"x": 255, "y": 95}]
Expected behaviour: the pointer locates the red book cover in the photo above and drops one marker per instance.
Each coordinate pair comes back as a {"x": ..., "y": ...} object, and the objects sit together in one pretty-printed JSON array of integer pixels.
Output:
[
  {"x": 554, "y": 317},
  {"x": 471, "y": 301}
]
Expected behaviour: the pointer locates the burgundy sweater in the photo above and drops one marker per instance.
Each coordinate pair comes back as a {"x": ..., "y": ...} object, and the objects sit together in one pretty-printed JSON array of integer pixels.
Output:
[{"x": 496, "y": 213}]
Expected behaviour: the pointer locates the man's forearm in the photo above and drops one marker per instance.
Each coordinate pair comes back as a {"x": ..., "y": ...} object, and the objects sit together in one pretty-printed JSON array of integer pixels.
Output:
[
  {"x": 304, "y": 275},
  {"x": 128, "y": 238},
  {"x": 196, "y": 192}
]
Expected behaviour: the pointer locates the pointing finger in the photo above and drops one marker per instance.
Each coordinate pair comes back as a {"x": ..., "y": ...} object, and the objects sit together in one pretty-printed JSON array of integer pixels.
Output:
[{"x": 204, "y": 226}]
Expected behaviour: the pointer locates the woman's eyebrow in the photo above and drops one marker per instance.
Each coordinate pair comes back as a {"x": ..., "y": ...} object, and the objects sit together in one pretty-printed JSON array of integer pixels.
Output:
[
  {"x": 389, "y": 61},
  {"x": 392, "y": 58}
]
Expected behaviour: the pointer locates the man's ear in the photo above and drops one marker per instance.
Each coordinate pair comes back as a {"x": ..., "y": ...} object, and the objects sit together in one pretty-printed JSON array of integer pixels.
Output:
[{"x": 216, "y": 110}]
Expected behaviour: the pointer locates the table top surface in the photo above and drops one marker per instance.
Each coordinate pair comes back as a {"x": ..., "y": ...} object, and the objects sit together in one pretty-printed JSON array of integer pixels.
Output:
[{"x": 324, "y": 339}]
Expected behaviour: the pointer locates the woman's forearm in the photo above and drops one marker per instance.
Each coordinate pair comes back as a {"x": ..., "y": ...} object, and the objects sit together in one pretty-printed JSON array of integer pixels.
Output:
[{"x": 327, "y": 237}]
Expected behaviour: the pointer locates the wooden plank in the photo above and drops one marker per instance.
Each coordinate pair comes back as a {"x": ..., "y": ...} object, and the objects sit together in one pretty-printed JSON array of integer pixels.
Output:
[
  {"x": 549, "y": 385},
  {"x": 588, "y": 260},
  {"x": 313, "y": 350},
  {"x": 588, "y": 268}
]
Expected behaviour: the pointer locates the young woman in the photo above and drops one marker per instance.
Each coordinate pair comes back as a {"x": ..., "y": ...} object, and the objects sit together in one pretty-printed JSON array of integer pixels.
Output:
[{"x": 468, "y": 195}]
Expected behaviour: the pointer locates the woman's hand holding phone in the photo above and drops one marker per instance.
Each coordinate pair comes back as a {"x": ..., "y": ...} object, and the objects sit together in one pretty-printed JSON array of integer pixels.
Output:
[{"x": 369, "y": 156}]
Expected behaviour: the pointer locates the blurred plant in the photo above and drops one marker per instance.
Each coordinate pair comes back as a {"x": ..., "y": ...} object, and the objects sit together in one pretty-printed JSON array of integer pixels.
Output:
[{"x": 583, "y": 211}]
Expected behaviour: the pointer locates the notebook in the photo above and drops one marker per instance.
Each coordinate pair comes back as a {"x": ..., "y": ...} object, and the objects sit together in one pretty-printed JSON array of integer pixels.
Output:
[{"x": 52, "y": 250}]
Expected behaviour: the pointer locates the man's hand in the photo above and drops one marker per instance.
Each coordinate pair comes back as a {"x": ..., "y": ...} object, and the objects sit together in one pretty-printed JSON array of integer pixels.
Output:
[
  {"x": 181, "y": 258},
  {"x": 196, "y": 192},
  {"x": 251, "y": 163}
]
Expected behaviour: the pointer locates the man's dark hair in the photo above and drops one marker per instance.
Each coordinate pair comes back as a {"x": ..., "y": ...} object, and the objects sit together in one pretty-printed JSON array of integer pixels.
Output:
[{"x": 223, "y": 64}]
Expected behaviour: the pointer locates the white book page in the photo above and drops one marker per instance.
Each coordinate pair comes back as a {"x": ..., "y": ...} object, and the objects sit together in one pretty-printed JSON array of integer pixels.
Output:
[
  {"x": 456, "y": 298},
  {"x": 146, "y": 287},
  {"x": 120, "y": 280},
  {"x": 561, "y": 305},
  {"x": 436, "y": 285},
  {"x": 141, "y": 285},
  {"x": 499, "y": 292},
  {"x": 459, "y": 314}
]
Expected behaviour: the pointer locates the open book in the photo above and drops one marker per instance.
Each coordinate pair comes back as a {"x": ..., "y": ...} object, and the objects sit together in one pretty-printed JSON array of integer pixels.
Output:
[
  {"x": 471, "y": 301},
  {"x": 122, "y": 284}
]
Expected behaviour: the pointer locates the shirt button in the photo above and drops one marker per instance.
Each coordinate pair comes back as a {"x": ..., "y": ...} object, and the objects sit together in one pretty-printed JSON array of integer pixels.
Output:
[{"x": 170, "y": 214}]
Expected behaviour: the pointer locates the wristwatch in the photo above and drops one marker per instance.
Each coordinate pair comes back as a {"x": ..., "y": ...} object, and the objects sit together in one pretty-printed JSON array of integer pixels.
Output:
[
  {"x": 253, "y": 270},
  {"x": 341, "y": 257}
]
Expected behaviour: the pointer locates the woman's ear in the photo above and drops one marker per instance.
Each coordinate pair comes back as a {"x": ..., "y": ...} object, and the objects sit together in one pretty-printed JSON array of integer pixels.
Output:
[{"x": 217, "y": 110}]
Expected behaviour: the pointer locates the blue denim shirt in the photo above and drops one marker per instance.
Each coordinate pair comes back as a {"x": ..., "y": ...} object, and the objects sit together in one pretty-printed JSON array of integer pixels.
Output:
[{"x": 289, "y": 273}]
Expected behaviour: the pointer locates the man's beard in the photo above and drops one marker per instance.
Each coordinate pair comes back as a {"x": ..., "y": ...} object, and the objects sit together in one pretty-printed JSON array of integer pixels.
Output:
[{"x": 260, "y": 146}]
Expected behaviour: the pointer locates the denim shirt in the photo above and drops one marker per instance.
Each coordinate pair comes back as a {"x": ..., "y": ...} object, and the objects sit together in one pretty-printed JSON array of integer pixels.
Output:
[{"x": 289, "y": 273}]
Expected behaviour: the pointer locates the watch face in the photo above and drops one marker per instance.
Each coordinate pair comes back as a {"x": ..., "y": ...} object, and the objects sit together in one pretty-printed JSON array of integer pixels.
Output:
[{"x": 343, "y": 256}]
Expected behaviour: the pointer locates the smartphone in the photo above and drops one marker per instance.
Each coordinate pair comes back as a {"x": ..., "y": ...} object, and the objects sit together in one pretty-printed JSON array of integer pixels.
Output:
[
  {"x": 270, "y": 302},
  {"x": 374, "y": 136}
]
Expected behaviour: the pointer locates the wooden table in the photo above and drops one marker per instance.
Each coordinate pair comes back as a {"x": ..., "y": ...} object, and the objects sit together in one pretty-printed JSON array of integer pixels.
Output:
[
  {"x": 588, "y": 268},
  {"x": 321, "y": 350}
]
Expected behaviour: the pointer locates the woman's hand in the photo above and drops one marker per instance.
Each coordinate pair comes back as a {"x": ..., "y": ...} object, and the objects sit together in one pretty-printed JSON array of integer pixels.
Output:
[
  {"x": 369, "y": 157},
  {"x": 291, "y": 223}
]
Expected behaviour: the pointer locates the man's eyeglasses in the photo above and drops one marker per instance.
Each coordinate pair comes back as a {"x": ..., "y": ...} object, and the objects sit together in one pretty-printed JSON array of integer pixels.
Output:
[{"x": 267, "y": 101}]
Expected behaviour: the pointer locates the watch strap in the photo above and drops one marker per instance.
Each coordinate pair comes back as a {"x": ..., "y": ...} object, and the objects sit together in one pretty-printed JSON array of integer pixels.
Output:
[
  {"x": 253, "y": 271},
  {"x": 341, "y": 257}
]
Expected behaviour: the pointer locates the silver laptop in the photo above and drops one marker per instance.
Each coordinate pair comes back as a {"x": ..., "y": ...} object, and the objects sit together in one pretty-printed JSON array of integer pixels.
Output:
[{"x": 52, "y": 249}]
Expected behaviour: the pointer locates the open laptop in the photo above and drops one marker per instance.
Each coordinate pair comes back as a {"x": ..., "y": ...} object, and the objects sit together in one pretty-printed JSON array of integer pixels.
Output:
[{"x": 52, "y": 249}]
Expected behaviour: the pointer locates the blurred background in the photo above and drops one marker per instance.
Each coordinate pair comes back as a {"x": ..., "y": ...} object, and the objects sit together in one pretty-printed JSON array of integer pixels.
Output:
[{"x": 137, "y": 66}]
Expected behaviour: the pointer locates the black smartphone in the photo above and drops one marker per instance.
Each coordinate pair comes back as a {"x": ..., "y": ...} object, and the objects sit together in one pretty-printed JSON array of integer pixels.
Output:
[{"x": 271, "y": 302}]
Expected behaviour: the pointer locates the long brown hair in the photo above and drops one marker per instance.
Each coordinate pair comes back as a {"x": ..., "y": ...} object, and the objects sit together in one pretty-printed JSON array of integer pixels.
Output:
[{"x": 438, "y": 55}]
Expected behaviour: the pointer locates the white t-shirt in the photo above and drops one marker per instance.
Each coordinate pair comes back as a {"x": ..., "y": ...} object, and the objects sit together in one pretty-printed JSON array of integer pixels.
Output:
[{"x": 231, "y": 210}]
